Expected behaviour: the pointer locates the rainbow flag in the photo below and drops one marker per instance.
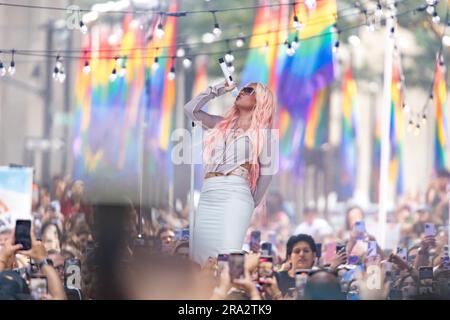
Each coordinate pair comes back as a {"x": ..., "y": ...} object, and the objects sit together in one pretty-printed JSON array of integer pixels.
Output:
[
  {"x": 161, "y": 94},
  {"x": 200, "y": 84},
  {"x": 309, "y": 72},
  {"x": 348, "y": 148},
  {"x": 441, "y": 127},
  {"x": 303, "y": 90},
  {"x": 397, "y": 130},
  {"x": 260, "y": 62}
]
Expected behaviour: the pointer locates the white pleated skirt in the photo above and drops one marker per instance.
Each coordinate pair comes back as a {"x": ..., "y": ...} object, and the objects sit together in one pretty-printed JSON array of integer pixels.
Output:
[{"x": 223, "y": 217}]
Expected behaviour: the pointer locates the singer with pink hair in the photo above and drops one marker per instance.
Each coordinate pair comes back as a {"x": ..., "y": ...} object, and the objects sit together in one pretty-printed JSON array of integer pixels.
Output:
[{"x": 239, "y": 159}]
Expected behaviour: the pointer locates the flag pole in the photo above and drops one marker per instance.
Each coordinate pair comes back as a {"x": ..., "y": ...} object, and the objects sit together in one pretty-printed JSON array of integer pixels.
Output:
[{"x": 383, "y": 193}]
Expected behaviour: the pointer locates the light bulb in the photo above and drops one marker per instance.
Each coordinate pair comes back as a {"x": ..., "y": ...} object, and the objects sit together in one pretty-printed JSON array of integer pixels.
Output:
[
  {"x": 410, "y": 126},
  {"x": 113, "y": 75},
  {"x": 295, "y": 23},
  {"x": 171, "y": 75},
  {"x": 379, "y": 11},
  {"x": 424, "y": 119},
  {"x": 12, "y": 68},
  {"x": 181, "y": 52},
  {"x": 155, "y": 64},
  {"x": 55, "y": 73},
  {"x": 159, "y": 31},
  {"x": 2, "y": 69},
  {"x": 187, "y": 63},
  {"x": 405, "y": 108},
  {"x": 311, "y": 4},
  {"x": 217, "y": 32},
  {"x": 295, "y": 44},
  {"x": 417, "y": 130},
  {"x": 240, "y": 42},
  {"x": 289, "y": 50},
  {"x": 86, "y": 68},
  {"x": 62, "y": 76},
  {"x": 336, "y": 46},
  {"x": 436, "y": 18},
  {"x": 83, "y": 27}
]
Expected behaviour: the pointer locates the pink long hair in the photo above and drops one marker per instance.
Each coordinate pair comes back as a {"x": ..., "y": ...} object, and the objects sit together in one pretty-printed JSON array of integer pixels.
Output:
[{"x": 262, "y": 118}]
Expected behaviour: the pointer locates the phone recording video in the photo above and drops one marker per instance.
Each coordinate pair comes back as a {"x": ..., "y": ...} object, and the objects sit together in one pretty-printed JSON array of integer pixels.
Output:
[
  {"x": 38, "y": 287},
  {"x": 255, "y": 240},
  {"x": 22, "y": 234},
  {"x": 222, "y": 260},
  {"x": 266, "y": 249},
  {"x": 425, "y": 280},
  {"x": 236, "y": 265},
  {"x": 265, "y": 269},
  {"x": 430, "y": 229}
]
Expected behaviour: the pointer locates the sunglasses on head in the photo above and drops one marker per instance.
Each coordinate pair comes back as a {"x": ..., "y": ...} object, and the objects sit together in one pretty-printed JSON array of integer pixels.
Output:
[{"x": 248, "y": 90}]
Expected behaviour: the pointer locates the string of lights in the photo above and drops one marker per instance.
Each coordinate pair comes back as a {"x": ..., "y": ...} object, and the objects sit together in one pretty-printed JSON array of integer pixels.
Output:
[{"x": 422, "y": 115}]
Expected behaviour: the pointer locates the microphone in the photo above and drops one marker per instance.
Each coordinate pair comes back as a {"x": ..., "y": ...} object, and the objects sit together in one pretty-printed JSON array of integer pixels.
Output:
[{"x": 228, "y": 76}]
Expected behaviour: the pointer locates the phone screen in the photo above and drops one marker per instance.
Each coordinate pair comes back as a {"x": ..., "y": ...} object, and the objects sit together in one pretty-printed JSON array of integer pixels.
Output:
[
  {"x": 222, "y": 260},
  {"x": 22, "y": 234},
  {"x": 318, "y": 250},
  {"x": 38, "y": 287},
  {"x": 255, "y": 239},
  {"x": 185, "y": 235},
  {"x": 360, "y": 228},
  {"x": 339, "y": 247},
  {"x": 236, "y": 265},
  {"x": 425, "y": 280},
  {"x": 430, "y": 229},
  {"x": 265, "y": 269},
  {"x": 266, "y": 249},
  {"x": 372, "y": 249}
]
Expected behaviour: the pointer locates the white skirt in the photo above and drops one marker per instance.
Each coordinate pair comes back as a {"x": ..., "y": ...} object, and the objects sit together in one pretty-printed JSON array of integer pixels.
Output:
[{"x": 223, "y": 217}]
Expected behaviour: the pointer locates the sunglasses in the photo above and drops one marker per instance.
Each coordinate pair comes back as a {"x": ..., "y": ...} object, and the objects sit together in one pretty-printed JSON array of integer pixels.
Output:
[{"x": 248, "y": 90}]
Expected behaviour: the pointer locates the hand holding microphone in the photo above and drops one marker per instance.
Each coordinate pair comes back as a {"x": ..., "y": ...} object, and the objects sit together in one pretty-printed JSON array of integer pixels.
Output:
[
  {"x": 228, "y": 78},
  {"x": 229, "y": 87}
]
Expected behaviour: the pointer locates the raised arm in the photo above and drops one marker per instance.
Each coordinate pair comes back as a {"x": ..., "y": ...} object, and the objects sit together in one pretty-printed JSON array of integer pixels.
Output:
[{"x": 192, "y": 109}]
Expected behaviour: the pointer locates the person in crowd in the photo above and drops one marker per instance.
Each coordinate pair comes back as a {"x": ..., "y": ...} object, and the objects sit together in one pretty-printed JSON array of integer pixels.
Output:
[
  {"x": 301, "y": 254},
  {"x": 39, "y": 255},
  {"x": 316, "y": 227},
  {"x": 51, "y": 236}
]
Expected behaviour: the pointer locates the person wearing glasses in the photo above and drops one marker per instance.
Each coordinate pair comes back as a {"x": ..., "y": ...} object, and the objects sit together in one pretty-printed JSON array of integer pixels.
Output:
[{"x": 239, "y": 158}]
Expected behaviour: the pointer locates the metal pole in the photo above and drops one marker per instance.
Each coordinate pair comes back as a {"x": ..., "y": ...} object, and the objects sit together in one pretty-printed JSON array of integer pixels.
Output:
[
  {"x": 191, "y": 197},
  {"x": 48, "y": 97},
  {"x": 385, "y": 125},
  {"x": 67, "y": 104}
]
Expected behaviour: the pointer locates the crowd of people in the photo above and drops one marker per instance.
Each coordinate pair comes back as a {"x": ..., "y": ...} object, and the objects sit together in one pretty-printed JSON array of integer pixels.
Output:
[{"x": 101, "y": 252}]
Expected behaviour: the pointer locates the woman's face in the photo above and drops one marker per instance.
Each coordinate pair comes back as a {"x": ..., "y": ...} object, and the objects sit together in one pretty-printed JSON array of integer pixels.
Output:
[
  {"x": 50, "y": 238},
  {"x": 246, "y": 99},
  {"x": 302, "y": 257},
  {"x": 409, "y": 288}
]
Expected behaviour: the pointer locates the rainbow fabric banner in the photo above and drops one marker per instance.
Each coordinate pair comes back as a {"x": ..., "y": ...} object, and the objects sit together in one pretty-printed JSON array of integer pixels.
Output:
[
  {"x": 396, "y": 138},
  {"x": 116, "y": 121},
  {"x": 441, "y": 127},
  {"x": 348, "y": 147},
  {"x": 397, "y": 130},
  {"x": 309, "y": 73},
  {"x": 200, "y": 84}
]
